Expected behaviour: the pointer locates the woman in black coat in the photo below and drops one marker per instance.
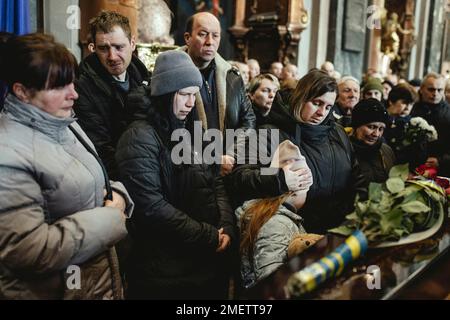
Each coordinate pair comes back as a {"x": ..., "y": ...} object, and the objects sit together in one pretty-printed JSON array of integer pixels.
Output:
[
  {"x": 376, "y": 158},
  {"x": 326, "y": 147},
  {"x": 182, "y": 225}
]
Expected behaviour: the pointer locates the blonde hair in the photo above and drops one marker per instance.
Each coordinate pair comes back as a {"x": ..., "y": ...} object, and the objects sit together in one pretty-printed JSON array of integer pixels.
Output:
[{"x": 256, "y": 82}]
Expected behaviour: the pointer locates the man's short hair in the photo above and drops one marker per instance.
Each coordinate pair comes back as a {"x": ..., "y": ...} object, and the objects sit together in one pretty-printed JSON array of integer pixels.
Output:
[
  {"x": 106, "y": 21},
  {"x": 348, "y": 78},
  {"x": 433, "y": 75},
  {"x": 189, "y": 24}
]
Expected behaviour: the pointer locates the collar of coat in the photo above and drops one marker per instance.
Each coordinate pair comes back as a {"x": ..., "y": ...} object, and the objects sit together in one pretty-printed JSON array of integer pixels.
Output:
[
  {"x": 222, "y": 68},
  {"x": 36, "y": 118},
  {"x": 92, "y": 68}
]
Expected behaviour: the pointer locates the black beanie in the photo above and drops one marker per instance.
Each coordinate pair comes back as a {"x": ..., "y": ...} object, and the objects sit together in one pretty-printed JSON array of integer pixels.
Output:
[{"x": 367, "y": 111}]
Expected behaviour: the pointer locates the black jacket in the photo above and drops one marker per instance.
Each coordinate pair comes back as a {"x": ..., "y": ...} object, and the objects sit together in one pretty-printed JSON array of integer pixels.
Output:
[
  {"x": 414, "y": 154},
  {"x": 234, "y": 107},
  {"x": 375, "y": 161},
  {"x": 341, "y": 118},
  {"x": 102, "y": 110},
  {"x": 329, "y": 155},
  {"x": 178, "y": 211},
  {"x": 439, "y": 117}
]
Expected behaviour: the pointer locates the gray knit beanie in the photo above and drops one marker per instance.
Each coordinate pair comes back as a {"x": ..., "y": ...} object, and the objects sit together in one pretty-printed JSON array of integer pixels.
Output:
[{"x": 174, "y": 70}]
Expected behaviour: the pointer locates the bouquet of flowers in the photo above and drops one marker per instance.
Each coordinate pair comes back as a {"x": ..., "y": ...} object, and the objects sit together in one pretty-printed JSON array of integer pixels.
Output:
[
  {"x": 431, "y": 173},
  {"x": 417, "y": 130}
]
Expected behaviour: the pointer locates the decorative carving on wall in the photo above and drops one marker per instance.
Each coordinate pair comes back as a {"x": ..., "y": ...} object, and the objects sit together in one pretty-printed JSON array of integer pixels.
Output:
[
  {"x": 398, "y": 38},
  {"x": 279, "y": 23}
]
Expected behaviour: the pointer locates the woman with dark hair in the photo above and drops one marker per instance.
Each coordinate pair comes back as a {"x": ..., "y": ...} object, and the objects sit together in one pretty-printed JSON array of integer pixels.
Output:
[
  {"x": 376, "y": 158},
  {"x": 399, "y": 105},
  {"x": 183, "y": 226},
  {"x": 326, "y": 147},
  {"x": 57, "y": 227},
  {"x": 324, "y": 144}
]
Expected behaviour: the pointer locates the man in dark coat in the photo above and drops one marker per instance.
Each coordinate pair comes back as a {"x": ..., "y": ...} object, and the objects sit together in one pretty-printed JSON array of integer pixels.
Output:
[
  {"x": 435, "y": 110},
  {"x": 112, "y": 81},
  {"x": 222, "y": 102}
]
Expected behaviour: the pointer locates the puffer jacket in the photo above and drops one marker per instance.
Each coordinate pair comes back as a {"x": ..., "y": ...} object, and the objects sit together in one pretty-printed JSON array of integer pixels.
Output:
[
  {"x": 103, "y": 111},
  {"x": 52, "y": 218},
  {"x": 179, "y": 210},
  {"x": 270, "y": 249},
  {"x": 375, "y": 161}
]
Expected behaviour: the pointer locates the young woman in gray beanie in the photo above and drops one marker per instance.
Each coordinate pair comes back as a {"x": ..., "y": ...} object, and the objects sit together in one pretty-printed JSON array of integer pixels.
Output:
[{"x": 183, "y": 226}]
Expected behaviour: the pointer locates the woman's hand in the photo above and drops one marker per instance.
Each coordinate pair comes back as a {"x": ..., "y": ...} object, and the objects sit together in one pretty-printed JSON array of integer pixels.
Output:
[
  {"x": 224, "y": 241},
  {"x": 300, "y": 179},
  {"x": 227, "y": 165},
  {"x": 117, "y": 202}
]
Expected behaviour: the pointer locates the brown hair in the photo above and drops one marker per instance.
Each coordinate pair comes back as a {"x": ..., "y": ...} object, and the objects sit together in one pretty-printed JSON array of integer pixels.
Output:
[
  {"x": 106, "y": 21},
  {"x": 402, "y": 91},
  {"x": 314, "y": 84},
  {"x": 38, "y": 62},
  {"x": 255, "y": 217}
]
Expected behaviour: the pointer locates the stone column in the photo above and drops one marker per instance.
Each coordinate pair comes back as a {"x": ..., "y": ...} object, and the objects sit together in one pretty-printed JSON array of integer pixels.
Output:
[{"x": 374, "y": 28}]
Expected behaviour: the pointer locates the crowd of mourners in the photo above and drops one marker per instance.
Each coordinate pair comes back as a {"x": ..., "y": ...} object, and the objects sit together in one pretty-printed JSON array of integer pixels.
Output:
[{"x": 88, "y": 180}]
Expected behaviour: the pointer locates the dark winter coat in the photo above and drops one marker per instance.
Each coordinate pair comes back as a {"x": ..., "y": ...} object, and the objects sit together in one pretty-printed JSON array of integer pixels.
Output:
[
  {"x": 329, "y": 155},
  {"x": 375, "y": 161},
  {"x": 415, "y": 154},
  {"x": 439, "y": 117},
  {"x": 179, "y": 209},
  {"x": 102, "y": 108},
  {"x": 341, "y": 118},
  {"x": 234, "y": 107}
]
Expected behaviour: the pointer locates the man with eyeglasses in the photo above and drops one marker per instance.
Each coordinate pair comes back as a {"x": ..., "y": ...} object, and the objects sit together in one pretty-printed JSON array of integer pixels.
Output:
[{"x": 433, "y": 108}]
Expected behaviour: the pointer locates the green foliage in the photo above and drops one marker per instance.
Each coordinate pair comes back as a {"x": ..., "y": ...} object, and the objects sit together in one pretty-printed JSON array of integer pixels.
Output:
[{"x": 395, "y": 209}]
